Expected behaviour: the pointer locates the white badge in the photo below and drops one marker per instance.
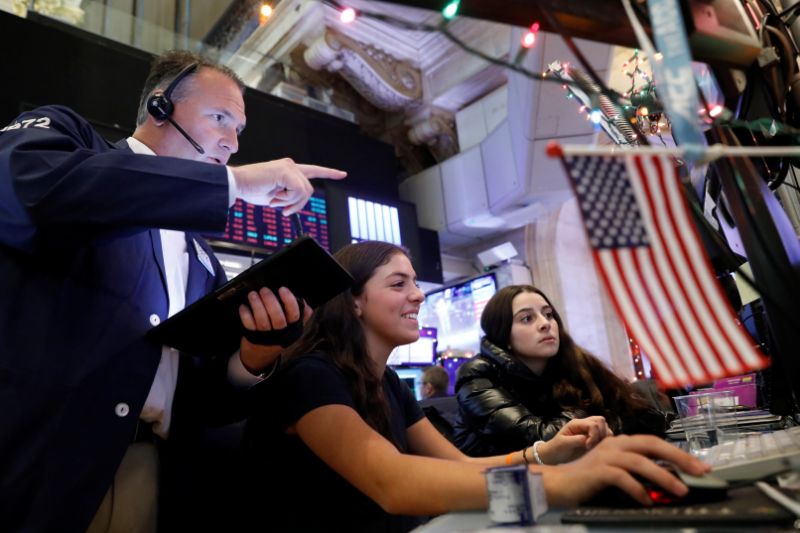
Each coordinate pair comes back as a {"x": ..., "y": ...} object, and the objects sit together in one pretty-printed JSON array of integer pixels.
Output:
[{"x": 203, "y": 257}]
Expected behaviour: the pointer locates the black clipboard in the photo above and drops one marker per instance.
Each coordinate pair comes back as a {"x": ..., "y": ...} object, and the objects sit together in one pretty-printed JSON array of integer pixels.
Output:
[{"x": 211, "y": 325}]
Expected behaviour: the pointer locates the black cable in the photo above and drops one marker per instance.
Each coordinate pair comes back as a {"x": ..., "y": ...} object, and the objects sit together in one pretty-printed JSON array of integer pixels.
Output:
[
  {"x": 794, "y": 179},
  {"x": 575, "y": 50},
  {"x": 753, "y": 223},
  {"x": 716, "y": 132},
  {"x": 723, "y": 248},
  {"x": 785, "y": 11},
  {"x": 493, "y": 60},
  {"x": 774, "y": 173},
  {"x": 791, "y": 185},
  {"x": 297, "y": 225}
]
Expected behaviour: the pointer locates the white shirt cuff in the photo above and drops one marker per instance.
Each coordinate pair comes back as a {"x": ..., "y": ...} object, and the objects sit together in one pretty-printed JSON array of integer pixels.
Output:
[
  {"x": 233, "y": 191},
  {"x": 238, "y": 374}
]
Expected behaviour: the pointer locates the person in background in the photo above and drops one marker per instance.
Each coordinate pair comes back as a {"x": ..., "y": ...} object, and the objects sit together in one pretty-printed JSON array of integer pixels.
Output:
[
  {"x": 98, "y": 244},
  {"x": 438, "y": 407},
  {"x": 336, "y": 442},
  {"x": 435, "y": 382},
  {"x": 530, "y": 379}
]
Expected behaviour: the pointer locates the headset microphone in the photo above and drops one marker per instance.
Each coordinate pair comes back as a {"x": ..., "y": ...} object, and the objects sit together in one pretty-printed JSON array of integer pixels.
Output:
[
  {"x": 182, "y": 132},
  {"x": 161, "y": 106}
]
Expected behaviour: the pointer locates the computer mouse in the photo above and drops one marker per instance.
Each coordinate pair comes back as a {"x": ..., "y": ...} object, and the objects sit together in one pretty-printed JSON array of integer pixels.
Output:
[{"x": 702, "y": 489}]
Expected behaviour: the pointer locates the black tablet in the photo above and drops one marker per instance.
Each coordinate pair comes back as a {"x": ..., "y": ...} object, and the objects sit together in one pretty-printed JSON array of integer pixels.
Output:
[{"x": 211, "y": 325}]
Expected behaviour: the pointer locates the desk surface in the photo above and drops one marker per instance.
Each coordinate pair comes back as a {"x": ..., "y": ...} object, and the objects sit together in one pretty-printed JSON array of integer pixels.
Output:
[{"x": 478, "y": 521}]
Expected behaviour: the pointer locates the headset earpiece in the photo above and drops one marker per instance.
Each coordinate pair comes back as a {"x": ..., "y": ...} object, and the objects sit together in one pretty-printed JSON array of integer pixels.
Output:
[{"x": 160, "y": 105}]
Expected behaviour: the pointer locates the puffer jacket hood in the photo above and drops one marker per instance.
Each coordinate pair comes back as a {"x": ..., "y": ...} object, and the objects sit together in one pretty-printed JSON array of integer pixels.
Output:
[{"x": 505, "y": 361}]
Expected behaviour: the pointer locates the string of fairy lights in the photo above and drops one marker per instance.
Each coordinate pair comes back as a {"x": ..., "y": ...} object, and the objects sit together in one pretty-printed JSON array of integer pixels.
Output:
[
  {"x": 629, "y": 117},
  {"x": 637, "y": 108}
]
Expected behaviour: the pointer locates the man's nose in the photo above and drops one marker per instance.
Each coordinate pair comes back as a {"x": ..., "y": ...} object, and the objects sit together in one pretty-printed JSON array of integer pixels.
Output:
[{"x": 230, "y": 142}]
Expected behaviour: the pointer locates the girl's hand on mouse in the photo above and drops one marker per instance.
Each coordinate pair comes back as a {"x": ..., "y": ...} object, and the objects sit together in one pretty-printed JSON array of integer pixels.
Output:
[{"x": 614, "y": 462}]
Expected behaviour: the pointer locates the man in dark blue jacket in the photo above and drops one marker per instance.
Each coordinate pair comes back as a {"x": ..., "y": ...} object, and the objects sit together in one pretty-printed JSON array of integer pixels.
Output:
[{"x": 97, "y": 246}]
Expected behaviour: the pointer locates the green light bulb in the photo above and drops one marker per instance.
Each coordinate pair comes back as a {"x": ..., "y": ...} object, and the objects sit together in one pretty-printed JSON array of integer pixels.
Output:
[{"x": 450, "y": 9}]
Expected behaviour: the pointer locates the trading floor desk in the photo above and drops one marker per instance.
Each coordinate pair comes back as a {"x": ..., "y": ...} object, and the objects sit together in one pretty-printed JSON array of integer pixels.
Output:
[{"x": 746, "y": 509}]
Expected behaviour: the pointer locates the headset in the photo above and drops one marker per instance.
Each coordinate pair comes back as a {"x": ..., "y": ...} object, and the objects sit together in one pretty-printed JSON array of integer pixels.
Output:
[{"x": 160, "y": 105}]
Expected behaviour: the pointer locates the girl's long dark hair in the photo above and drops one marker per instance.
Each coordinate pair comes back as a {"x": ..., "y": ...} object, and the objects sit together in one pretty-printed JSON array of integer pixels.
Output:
[
  {"x": 581, "y": 380},
  {"x": 336, "y": 330}
]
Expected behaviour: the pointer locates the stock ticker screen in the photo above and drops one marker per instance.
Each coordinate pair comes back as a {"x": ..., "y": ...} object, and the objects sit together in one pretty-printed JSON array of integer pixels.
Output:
[{"x": 264, "y": 230}]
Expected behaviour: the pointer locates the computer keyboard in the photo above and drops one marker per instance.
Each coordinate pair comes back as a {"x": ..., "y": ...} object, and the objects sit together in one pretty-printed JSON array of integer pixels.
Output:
[
  {"x": 755, "y": 456},
  {"x": 746, "y": 507}
]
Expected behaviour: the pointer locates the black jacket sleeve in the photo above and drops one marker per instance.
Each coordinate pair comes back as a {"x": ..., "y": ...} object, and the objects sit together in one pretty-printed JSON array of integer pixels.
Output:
[
  {"x": 493, "y": 420},
  {"x": 56, "y": 172}
]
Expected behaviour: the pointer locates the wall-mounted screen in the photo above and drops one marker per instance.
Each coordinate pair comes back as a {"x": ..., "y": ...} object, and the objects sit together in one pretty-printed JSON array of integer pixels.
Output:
[
  {"x": 455, "y": 312},
  {"x": 357, "y": 215},
  {"x": 264, "y": 230},
  {"x": 413, "y": 378},
  {"x": 420, "y": 352},
  {"x": 360, "y": 216},
  {"x": 373, "y": 221}
]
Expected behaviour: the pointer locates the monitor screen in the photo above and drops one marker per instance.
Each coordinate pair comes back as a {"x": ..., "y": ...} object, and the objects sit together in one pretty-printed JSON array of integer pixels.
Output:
[
  {"x": 355, "y": 215},
  {"x": 413, "y": 378},
  {"x": 455, "y": 312},
  {"x": 264, "y": 230},
  {"x": 373, "y": 221},
  {"x": 421, "y": 352}
]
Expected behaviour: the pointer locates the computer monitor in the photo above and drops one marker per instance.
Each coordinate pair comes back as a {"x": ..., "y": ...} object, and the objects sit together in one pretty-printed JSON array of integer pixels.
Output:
[
  {"x": 253, "y": 229},
  {"x": 420, "y": 352},
  {"x": 358, "y": 215},
  {"x": 411, "y": 376},
  {"x": 455, "y": 312}
]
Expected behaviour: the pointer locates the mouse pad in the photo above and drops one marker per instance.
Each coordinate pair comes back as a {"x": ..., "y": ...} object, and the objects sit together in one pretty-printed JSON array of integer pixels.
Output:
[
  {"x": 211, "y": 325},
  {"x": 745, "y": 506}
]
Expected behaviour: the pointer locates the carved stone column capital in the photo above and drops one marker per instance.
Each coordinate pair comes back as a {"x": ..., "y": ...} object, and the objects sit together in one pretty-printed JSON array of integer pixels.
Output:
[
  {"x": 324, "y": 53},
  {"x": 385, "y": 81},
  {"x": 435, "y": 129}
]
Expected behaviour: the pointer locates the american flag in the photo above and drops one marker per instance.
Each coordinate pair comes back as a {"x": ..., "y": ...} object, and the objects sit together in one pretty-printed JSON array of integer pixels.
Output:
[{"x": 650, "y": 258}]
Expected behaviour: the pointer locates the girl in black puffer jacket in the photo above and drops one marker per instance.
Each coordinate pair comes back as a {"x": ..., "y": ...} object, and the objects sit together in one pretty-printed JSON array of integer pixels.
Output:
[{"x": 531, "y": 378}]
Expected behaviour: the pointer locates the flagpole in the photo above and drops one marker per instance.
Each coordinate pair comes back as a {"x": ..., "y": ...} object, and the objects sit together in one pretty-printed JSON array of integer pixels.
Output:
[{"x": 710, "y": 153}]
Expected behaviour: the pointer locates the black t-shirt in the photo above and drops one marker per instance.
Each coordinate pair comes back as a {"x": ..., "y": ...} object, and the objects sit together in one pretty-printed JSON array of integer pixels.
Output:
[{"x": 299, "y": 491}]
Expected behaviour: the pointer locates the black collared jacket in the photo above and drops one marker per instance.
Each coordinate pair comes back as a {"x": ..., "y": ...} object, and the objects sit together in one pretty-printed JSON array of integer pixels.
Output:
[{"x": 504, "y": 407}]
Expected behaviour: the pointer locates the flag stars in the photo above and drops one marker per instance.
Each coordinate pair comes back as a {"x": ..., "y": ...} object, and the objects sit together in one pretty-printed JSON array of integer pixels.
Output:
[{"x": 607, "y": 203}]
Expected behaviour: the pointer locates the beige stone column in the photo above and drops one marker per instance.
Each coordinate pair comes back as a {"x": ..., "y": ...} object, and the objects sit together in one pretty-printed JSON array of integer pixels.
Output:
[{"x": 562, "y": 266}]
